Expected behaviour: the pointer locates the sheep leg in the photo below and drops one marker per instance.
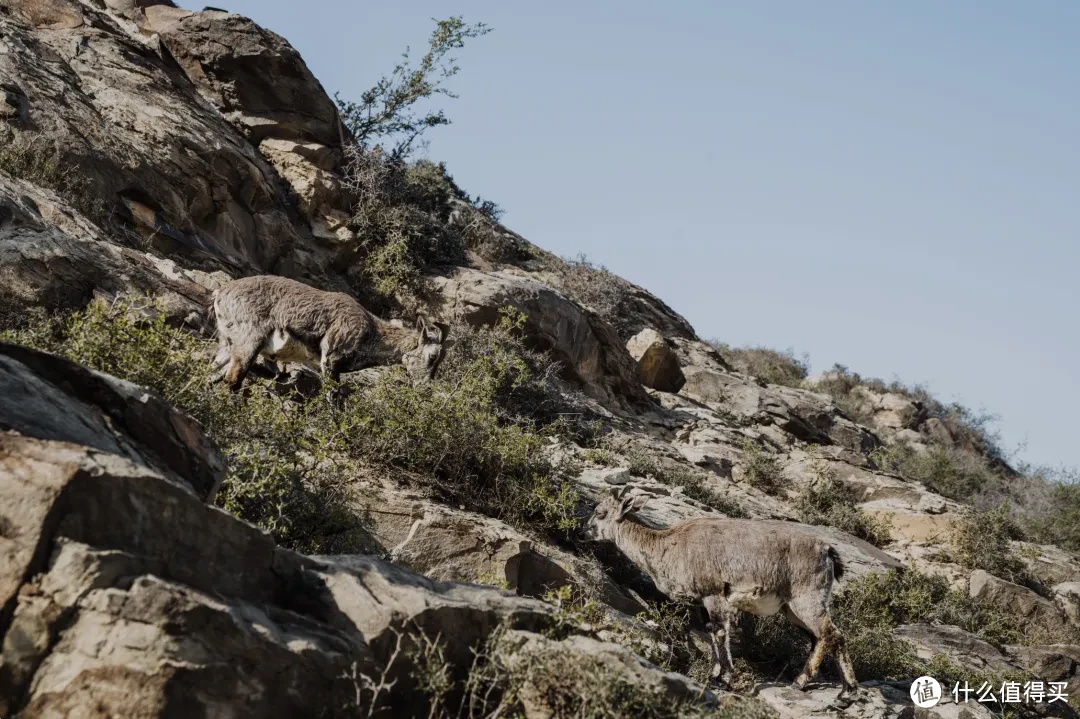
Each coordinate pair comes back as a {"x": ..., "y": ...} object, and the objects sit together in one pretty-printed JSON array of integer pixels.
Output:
[
  {"x": 218, "y": 366},
  {"x": 330, "y": 362},
  {"x": 815, "y": 615},
  {"x": 243, "y": 356},
  {"x": 720, "y": 612}
]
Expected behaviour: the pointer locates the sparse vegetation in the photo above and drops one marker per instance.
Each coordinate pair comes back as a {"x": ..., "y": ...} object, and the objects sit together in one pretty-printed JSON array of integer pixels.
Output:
[
  {"x": 886, "y": 600},
  {"x": 766, "y": 364},
  {"x": 1051, "y": 502},
  {"x": 42, "y": 162},
  {"x": 827, "y": 501},
  {"x": 400, "y": 218},
  {"x": 691, "y": 481},
  {"x": 467, "y": 437},
  {"x": 763, "y": 469},
  {"x": 981, "y": 541},
  {"x": 403, "y": 209},
  {"x": 591, "y": 285},
  {"x": 948, "y": 471}
]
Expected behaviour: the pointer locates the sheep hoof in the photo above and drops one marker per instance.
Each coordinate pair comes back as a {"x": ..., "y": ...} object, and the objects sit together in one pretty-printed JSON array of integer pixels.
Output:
[
  {"x": 721, "y": 676},
  {"x": 845, "y": 698}
]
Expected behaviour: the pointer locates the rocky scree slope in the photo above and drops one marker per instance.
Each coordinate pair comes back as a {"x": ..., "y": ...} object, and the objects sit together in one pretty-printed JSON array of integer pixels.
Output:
[{"x": 206, "y": 150}]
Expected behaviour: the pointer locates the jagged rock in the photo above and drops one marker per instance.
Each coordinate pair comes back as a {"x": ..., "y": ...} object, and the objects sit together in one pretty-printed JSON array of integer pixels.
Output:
[
  {"x": 658, "y": 366},
  {"x": 1027, "y": 606},
  {"x": 1067, "y": 595},
  {"x": 51, "y": 398},
  {"x": 544, "y": 671},
  {"x": 692, "y": 352},
  {"x": 968, "y": 651},
  {"x": 253, "y": 76},
  {"x": 102, "y": 630},
  {"x": 804, "y": 415},
  {"x": 118, "y": 584},
  {"x": 1049, "y": 564},
  {"x": 590, "y": 349},
  {"x": 455, "y": 545},
  {"x": 309, "y": 168},
  {"x": 51, "y": 256},
  {"x": 180, "y": 176},
  {"x": 1052, "y": 663},
  {"x": 914, "y": 512},
  {"x": 876, "y": 700}
]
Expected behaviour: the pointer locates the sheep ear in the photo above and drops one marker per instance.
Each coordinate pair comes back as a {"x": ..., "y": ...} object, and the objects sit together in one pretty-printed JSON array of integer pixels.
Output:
[
  {"x": 620, "y": 491},
  {"x": 444, "y": 331},
  {"x": 630, "y": 505}
]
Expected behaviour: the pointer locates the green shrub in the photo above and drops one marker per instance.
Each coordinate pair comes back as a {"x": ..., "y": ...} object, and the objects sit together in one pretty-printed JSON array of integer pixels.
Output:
[
  {"x": 763, "y": 470},
  {"x": 1052, "y": 503},
  {"x": 867, "y": 610},
  {"x": 950, "y": 472},
  {"x": 400, "y": 218},
  {"x": 770, "y": 365},
  {"x": 826, "y": 501},
  {"x": 981, "y": 541},
  {"x": 477, "y": 435},
  {"x": 887, "y": 600}
]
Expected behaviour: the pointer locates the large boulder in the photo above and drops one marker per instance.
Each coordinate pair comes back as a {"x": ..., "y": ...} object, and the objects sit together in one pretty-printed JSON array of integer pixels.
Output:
[
  {"x": 455, "y": 545},
  {"x": 590, "y": 350},
  {"x": 51, "y": 398},
  {"x": 253, "y": 76},
  {"x": 1027, "y": 607},
  {"x": 120, "y": 588},
  {"x": 658, "y": 365},
  {"x": 966, "y": 650}
]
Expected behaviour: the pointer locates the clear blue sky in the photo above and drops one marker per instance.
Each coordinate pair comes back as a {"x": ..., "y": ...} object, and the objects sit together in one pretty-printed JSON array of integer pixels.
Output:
[{"x": 893, "y": 186}]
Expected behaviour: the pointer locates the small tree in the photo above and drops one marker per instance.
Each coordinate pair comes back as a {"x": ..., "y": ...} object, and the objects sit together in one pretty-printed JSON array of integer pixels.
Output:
[{"x": 386, "y": 113}]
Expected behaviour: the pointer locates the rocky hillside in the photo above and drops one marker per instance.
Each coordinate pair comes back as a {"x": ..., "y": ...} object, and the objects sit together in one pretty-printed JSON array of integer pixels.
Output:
[{"x": 168, "y": 549}]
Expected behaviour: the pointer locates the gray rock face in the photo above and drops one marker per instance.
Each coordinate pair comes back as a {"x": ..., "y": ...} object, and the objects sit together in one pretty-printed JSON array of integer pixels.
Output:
[
  {"x": 876, "y": 700},
  {"x": 1067, "y": 595},
  {"x": 969, "y": 652},
  {"x": 118, "y": 584},
  {"x": 50, "y": 398},
  {"x": 658, "y": 365},
  {"x": 51, "y": 256},
  {"x": 178, "y": 174},
  {"x": 253, "y": 76}
]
